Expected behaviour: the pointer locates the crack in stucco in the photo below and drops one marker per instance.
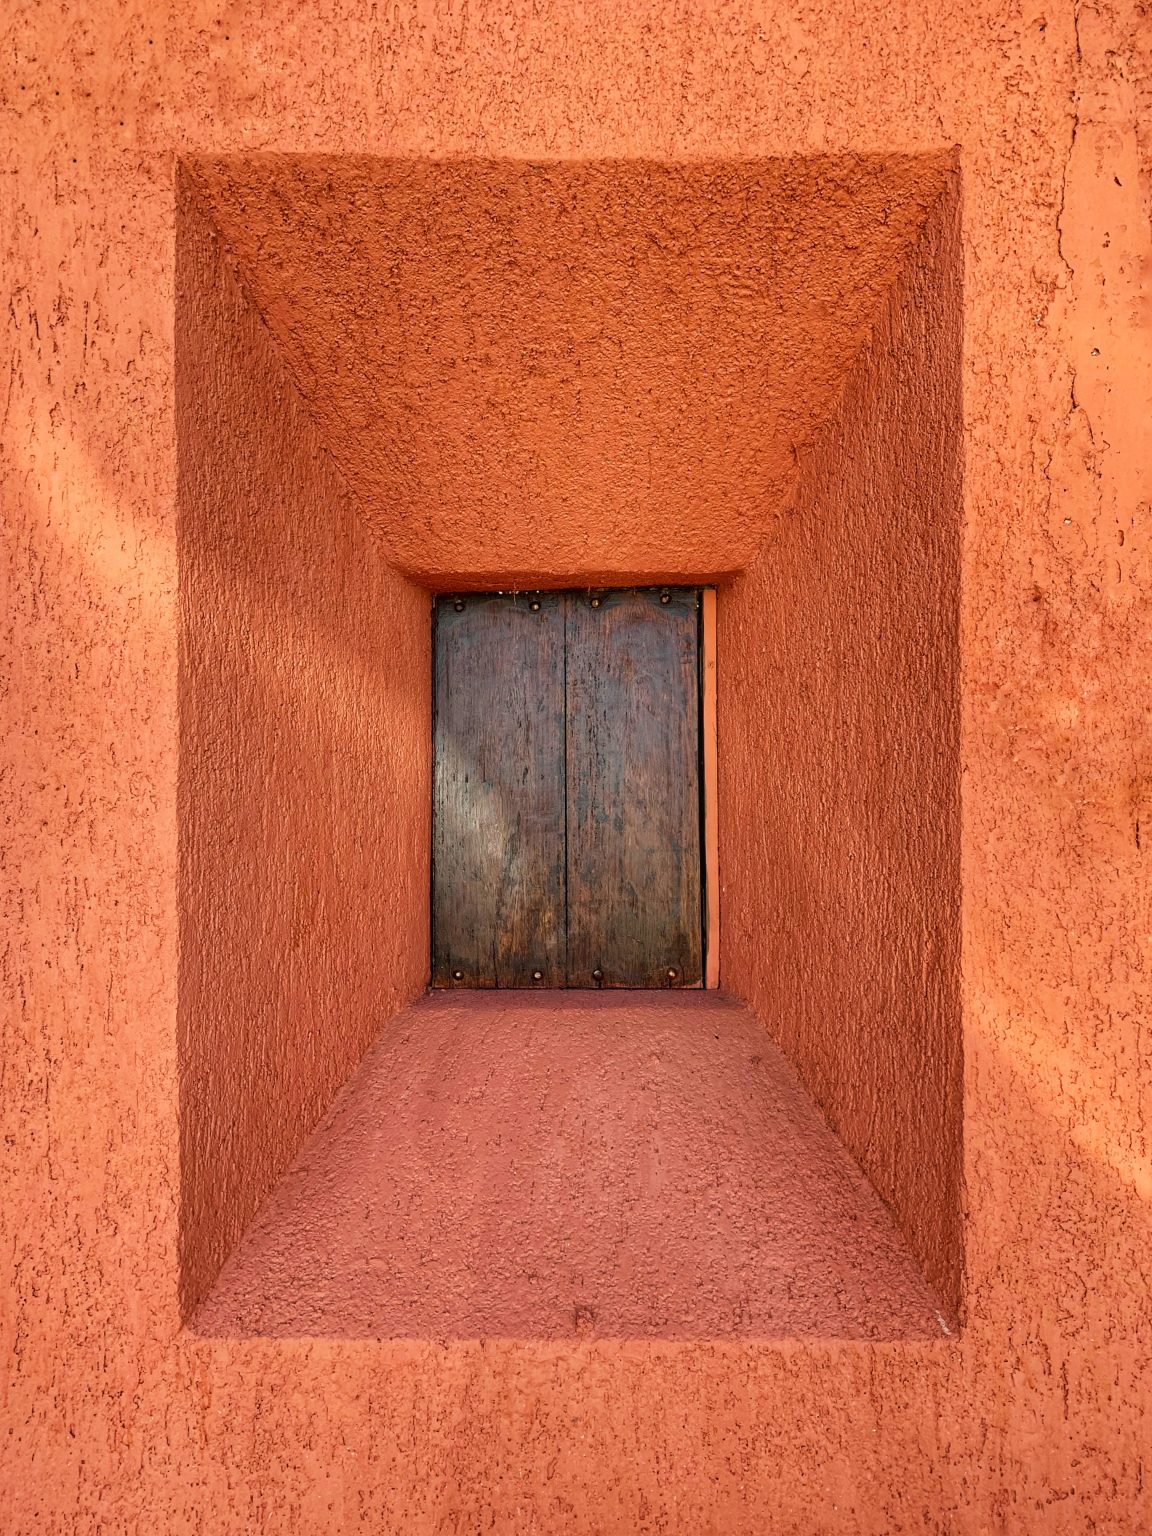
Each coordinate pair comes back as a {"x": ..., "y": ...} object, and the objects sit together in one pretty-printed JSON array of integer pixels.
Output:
[{"x": 1074, "y": 98}]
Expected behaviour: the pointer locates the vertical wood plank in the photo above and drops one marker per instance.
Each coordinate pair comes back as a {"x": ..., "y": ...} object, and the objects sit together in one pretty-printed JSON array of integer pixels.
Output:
[
  {"x": 710, "y": 763},
  {"x": 498, "y": 912},
  {"x": 633, "y": 791}
]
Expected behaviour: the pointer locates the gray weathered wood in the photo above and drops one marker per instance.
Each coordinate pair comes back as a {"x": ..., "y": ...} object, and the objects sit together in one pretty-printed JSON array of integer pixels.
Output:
[
  {"x": 633, "y": 789},
  {"x": 498, "y": 909},
  {"x": 566, "y": 837}
]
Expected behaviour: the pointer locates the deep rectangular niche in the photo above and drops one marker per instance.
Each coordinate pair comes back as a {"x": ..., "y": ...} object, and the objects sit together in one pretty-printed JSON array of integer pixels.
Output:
[{"x": 329, "y": 482}]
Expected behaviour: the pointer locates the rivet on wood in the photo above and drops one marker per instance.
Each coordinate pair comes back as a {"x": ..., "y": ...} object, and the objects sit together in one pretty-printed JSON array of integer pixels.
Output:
[
  {"x": 458, "y": 605},
  {"x": 537, "y": 975},
  {"x": 597, "y": 975},
  {"x": 535, "y": 606},
  {"x": 672, "y": 975},
  {"x": 457, "y": 975},
  {"x": 665, "y": 597},
  {"x": 595, "y": 602}
]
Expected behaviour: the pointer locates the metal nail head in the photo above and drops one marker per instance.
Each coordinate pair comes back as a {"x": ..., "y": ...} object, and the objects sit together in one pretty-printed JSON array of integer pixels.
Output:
[
  {"x": 457, "y": 975},
  {"x": 537, "y": 975},
  {"x": 534, "y": 605},
  {"x": 672, "y": 975},
  {"x": 458, "y": 605},
  {"x": 597, "y": 975},
  {"x": 665, "y": 597},
  {"x": 595, "y": 602}
]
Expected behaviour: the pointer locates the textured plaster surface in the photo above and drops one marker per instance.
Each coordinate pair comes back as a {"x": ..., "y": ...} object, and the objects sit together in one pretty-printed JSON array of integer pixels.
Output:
[
  {"x": 852, "y": 994},
  {"x": 532, "y": 372},
  {"x": 839, "y": 723},
  {"x": 1036, "y": 1419},
  {"x": 304, "y": 785},
  {"x": 483, "y": 1176}
]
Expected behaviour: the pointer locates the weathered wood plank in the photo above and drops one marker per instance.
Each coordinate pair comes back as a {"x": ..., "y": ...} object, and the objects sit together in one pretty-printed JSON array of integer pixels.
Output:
[
  {"x": 710, "y": 766},
  {"x": 633, "y": 789},
  {"x": 498, "y": 912}
]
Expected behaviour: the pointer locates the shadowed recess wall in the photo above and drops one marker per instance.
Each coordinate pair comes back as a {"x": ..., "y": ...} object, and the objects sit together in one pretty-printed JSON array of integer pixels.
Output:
[
  {"x": 549, "y": 372},
  {"x": 304, "y": 766},
  {"x": 839, "y": 724}
]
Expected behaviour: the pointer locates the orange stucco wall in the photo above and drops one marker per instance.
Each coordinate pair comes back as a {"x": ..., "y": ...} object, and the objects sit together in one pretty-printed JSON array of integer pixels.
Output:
[
  {"x": 1035, "y": 1419},
  {"x": 568, "y": 371},
  {"x": 839, "y": 757},
  {"x": 304, "y": 778}
]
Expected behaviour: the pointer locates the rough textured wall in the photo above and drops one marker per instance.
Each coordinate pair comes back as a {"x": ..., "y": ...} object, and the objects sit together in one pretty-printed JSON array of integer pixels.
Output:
[
  {"x": 710, "y": 1199},
  {"x": 304, "y": 787},
  {"x": 575, "y": 371},
  {"x": 839, "y": 761},
  {"x": 1035, "y": 1420}
]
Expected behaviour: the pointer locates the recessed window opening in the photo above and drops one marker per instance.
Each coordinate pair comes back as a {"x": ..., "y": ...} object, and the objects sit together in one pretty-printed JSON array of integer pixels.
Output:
[{"x": 628, "y": 1157}]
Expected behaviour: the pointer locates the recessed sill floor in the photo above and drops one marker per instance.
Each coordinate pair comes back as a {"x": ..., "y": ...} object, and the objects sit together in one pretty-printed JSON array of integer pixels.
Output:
[{"x": 571, "y": 1164}]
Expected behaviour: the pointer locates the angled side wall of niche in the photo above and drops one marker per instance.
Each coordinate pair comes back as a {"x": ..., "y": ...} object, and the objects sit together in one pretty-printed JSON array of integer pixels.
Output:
[
  {"x": 304, "y": 765},
  {"x": 841, "y": 893}
]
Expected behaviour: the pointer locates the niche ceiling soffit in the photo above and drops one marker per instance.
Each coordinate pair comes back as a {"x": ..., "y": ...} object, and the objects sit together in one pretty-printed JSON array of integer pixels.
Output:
[{"x": 603, "y": 359}]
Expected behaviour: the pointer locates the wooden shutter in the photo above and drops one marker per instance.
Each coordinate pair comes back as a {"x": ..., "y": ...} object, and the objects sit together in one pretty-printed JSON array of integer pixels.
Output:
[{"x": 566, "y": 840}]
